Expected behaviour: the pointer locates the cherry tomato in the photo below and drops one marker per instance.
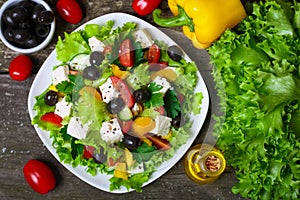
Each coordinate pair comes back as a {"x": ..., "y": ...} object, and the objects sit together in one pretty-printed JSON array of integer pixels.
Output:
[
  {"x": 153, "y": 53},
  {"x": 69, "y": 10},
  {"x": 145, "y": 7},
  {"x": 126, "y": 53},
  {"x": 20, "y": 68},
  {"x": 52, "y": 118},
  {"x": 126, "y": 94},
  {"x": 88, "y": 151},
  {"x": 39, "y": 176}
]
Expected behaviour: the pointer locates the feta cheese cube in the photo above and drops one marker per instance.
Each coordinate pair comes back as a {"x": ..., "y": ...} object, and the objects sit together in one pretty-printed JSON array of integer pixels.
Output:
[
  {"x": 143, "y": 37},
  {"x": 108, "y": 91},
  {"x": 111, "y": 131},
  {"x": 162, "y": 125},
  {"x": 60, "y": 74},
  {"x": 77, "y": 129},
  {"x": 63, "y": 108},
  {"x": 80, "y": 62},
  {"x": 137, "y": 169},
  {"x": 95, "y": 44},
  {"x": 163, "y": 82}
]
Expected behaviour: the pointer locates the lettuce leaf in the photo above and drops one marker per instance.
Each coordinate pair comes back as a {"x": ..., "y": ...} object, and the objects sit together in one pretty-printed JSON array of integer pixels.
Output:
[
  {"x": 139, "y": 76},
  {"x": 256, "y": 70},
  {"x": 72, "y": 45}
]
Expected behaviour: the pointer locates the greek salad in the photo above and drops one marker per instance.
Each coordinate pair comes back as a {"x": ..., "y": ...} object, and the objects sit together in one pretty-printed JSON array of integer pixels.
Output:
[{"x": 119, "y": 103}]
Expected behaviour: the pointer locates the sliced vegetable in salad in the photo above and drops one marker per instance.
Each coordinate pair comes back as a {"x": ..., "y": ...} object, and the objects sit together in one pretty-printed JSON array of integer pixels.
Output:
[
  {"x": 119, "y": 102},
  {"x": 258, "y": 79}
]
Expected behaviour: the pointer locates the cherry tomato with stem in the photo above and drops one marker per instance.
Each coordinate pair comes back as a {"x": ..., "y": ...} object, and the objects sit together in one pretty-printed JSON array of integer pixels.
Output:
[
  {"x": 39, "y": 176},
  {"x": 20, "y": 68},
  {"x": 126, "y": 53},
  {"x": 69, "y": 10},
  {"x": 145, "y": 7}
]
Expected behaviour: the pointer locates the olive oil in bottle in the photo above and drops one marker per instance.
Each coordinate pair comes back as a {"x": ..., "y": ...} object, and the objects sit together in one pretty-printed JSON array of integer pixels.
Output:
[{"x": 204, "y": 163}]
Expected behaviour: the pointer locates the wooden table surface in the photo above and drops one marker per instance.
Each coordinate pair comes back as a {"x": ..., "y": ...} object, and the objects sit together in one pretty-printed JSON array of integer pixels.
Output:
[{"x": 19, "y": 142}]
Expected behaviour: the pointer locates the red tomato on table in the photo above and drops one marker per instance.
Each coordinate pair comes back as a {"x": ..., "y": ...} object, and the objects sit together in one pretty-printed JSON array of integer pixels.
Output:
[
  {"x": 20, "y": 68},
  {"x": 39, "y": 176},
  {"x": 145, "y": 7},
  {"x": 69, "y": 10}
]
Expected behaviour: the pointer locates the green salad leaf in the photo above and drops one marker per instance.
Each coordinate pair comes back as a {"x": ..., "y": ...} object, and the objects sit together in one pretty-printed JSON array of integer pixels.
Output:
[{"x": 256, "y": 70}]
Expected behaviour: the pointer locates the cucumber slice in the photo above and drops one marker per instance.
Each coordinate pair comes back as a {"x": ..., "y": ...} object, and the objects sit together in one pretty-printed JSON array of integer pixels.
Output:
[
  {"x": 125, "y": 114},
  {"x": 80, "y": 61}
]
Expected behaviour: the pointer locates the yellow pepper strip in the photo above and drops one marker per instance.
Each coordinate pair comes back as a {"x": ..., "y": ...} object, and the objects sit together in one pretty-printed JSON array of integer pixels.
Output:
[
  {"x": 118, "y": 72},
  {"x": 203, "y": 21}
]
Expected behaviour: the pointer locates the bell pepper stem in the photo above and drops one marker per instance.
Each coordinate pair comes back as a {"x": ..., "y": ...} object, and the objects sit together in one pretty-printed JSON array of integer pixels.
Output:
[{"x": 182, "y": 19}]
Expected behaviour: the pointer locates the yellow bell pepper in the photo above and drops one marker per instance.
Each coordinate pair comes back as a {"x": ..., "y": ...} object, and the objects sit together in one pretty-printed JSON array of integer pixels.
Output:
[{"x": 203, "y": 21}]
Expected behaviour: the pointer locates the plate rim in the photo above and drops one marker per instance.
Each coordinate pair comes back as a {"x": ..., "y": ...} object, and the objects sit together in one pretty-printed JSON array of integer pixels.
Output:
[{"x": 35, "y": 84}]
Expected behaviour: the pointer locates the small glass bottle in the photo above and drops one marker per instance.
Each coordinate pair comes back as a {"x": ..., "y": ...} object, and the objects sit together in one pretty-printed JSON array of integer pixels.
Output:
[{"x": 204, "y": 163}]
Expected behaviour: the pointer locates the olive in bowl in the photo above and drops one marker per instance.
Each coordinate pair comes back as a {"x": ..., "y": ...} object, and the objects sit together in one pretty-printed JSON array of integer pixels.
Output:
[{"x": 27, "y": 26}]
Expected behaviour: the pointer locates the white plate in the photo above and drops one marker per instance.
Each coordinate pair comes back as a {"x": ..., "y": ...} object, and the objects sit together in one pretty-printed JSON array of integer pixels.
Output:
[{"x": 43, "y": 80}]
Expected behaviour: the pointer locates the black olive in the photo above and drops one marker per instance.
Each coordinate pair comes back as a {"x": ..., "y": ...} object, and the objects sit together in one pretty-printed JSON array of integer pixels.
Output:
[
  {"x": 141, "y": 95},
  {"x": 36, "y": 10},
  {"x": 18, "y": 14},
  {"x": 7, "y": 19},
  {"x": 51, "y": 98},
  {"x": 42, "y": 30},
  {"x": 131, "y": 142},
  {"x": 21, "y": 35},
  {"x": 100, "y": 157},
  {"x": 115, "y": 105},
  {"x": 177, "y": 122},
  {"x": 45, "y": 17},
  {"x": 28, "y": 5},
  {"x": 96, "y": 58},
  {"x": 9, "y": 34},
  {"x": 31, "y": 41},
  {"x": 175, "y": 53},
  {"x": 26, "y": 24},
  {"x": 91, "y": 73}
]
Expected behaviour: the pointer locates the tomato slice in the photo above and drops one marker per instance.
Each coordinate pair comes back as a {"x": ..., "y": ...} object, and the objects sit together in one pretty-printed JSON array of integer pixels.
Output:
[
  {"x": 126, "y": 53},
  {"x": 39, "y": 176},
  {"x": 126, "y": 94},
  {"x": 158, "y": 142},
  {"x": 52, "y": 118},
  {"x": 153, "y": 53},
  {"x": 111, "y": 162},
  {"x": 161, "y": 110},
  {"x": 158, "y": 66},
  {"x": 107, "y": 49},
  {"x": 88, "y": 151},
  {"x": 125, "y": 125}
]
